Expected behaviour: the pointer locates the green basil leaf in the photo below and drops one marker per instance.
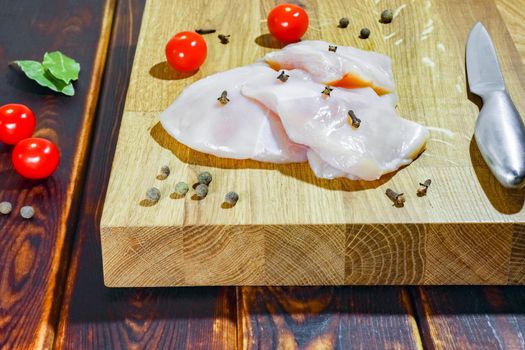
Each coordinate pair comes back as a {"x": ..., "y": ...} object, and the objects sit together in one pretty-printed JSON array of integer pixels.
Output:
[
  {"x": 35, "y": 70},
  {"x": 61, "y": 66}
]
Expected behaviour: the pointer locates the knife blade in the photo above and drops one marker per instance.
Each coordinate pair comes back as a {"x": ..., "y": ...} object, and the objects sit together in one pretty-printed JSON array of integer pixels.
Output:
[{"x": 499, "y": 131}]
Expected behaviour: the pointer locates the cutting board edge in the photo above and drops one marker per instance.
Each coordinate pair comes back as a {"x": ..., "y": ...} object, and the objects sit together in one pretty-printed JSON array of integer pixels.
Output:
[{"x": 339, "y": 254}]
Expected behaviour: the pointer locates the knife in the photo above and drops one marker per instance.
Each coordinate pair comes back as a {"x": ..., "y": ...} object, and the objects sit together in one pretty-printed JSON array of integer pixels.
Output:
[{"x": 499, "y": 133}]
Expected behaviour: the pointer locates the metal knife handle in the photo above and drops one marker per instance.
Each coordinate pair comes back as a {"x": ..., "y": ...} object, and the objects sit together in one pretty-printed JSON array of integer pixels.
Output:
[{"x": 500, "y": 135}]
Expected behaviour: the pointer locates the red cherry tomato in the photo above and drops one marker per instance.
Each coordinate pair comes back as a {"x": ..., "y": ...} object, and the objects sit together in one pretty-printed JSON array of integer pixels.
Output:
[
  {"x": 35, "y": 158},
  {"x": 287, "y": 22},
  {"x": 186, "y": 51},
  {"x": 17, "y": 122}
]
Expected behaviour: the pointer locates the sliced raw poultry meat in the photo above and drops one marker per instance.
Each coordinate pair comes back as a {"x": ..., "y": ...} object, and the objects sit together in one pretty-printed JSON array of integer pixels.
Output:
[
  {"x": 241, "y": 128},
  {"x": 382, "y": 143},
  {"x": 347, "y": 67}
]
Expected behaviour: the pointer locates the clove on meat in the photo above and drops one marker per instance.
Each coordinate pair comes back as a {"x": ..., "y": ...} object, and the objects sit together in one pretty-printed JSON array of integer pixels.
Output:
[
  {"x": 223, "y": 99},
  {"x": 353, "y": 120}
]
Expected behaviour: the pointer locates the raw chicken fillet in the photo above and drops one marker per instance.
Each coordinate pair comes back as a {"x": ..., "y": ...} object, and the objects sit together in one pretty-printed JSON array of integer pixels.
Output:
[
  {"x": 381, "y": 144},
  {"x": 240, "y": 129},
  {"x": 277, "y": 121},
  {"x": 347, "y": 67}
]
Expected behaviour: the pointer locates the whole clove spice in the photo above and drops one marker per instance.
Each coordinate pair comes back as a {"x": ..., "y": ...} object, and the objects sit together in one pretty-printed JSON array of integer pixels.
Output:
[
  {"x": 5, "y": 208},
  {"x": 205, "y": 31},
  {"x": 283, "y": 77},
  {"x": 387, "y": 16},
  {"x": 397, "y": 198},
  {"x": 181, "y": 188},
  {"x": 364, "y": 33},
  {"x": 223, "y": 99},
  {"x": 225, "y": 39},
  {"x": 332, "y": 48},
  {"x": 27, "y": 212},
  {"x": 164, "y": 172},
  {"x": 353, "y": 120},
  {"x": 201, "y": 190},
  {"x": 153, "y": 194},
  {"x": 344, "y": 22},
  {"x": 231, "y": 198},
  {"x": 327, "y": 90},
  {"x": 204, "y": 178},
  {"x": 423, "y": 187}
]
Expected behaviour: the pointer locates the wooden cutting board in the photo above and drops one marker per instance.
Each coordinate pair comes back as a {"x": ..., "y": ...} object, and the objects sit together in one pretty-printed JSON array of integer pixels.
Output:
[{"x": 289, "y": 227}]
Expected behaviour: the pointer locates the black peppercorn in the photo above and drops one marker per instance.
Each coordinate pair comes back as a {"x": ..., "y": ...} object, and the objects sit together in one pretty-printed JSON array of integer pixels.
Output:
[
  {"x": 364, "y": 33},
  {"x": 387, "y": 16},
  {"x": 343, "y": 22}
]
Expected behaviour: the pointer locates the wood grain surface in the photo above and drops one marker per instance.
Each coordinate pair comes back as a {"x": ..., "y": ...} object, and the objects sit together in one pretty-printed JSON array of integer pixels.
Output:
[
  {"x": 34, "y": 253},
  {"x": 475, "y": 317},
  {"x": 94, "y": 317},
  {"x": 512, "y": 13},
  {"x": 472, "y": 317},
  {"x": 359, "y": 237},
  {"x": 326, "y": 318}
]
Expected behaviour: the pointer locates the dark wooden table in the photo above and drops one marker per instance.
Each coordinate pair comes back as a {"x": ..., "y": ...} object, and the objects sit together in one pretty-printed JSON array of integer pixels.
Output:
[{"x": 51, "y": 288}]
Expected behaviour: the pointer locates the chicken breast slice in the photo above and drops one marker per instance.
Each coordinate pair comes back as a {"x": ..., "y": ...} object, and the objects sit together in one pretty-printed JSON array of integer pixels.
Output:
[
  {"x": 347, "y": 67},
  {"x": 382, "y": 143},
  {"x": 240, "y": 129}
]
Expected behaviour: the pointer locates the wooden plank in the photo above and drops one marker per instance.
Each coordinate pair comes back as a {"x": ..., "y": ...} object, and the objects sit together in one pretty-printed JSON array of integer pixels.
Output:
[
  {"x": 515, "y": 19},
  {"x": 494, "y": 314},
  {"x": 517, "y": 257},
  {"x": 475, "y": 317},
  {"x": 432, "y": 87},
  {"x": 34, "y": 253},
  {"x": 511, "y": 11},
  {"x": 472, "y": 317},
  {"x": 94, "y": 317},
  {"x": 326, "y": 318}
]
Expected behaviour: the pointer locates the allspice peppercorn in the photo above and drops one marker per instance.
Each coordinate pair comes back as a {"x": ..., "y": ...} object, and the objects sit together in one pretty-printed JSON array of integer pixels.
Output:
[
  {"x": 5, "y": 208},
  {"x": 164, "y": 172},
  {"x": 204, "y": 178},
  {"x": 201, "y": 190},
  {"x": 181, "y": 188},
  {"x": 153, "y": 194},
  {"x": 364, "y": 33},
  {"x": 344, "y": 22},
  {"x": 27, "y": 212},
  {"x": 231, "y": 198},
  {"x": 387, "y": 16}
]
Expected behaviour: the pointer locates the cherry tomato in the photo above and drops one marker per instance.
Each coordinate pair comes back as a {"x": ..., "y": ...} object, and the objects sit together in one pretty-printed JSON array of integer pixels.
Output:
[
  {"x": 186, "y": 51},
  {"x": 35, "y": 158},
  {"x": 17, "y": 122},
  {"x": 287, "y": 22}
]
